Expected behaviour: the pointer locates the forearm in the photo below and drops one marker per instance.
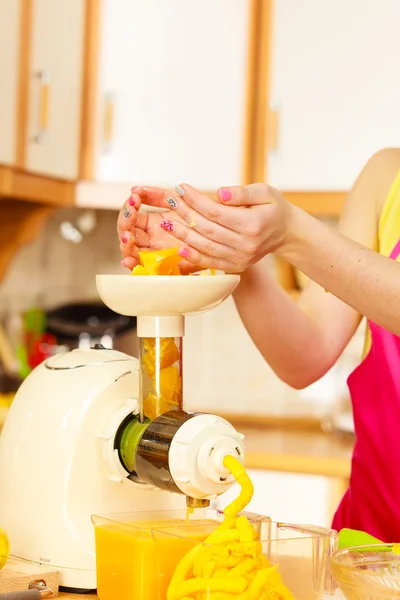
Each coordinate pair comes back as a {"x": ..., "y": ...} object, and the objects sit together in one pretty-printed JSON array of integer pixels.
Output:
[
  {"x": 289, "y": 339},
  {"x": 360, "y": 277}
]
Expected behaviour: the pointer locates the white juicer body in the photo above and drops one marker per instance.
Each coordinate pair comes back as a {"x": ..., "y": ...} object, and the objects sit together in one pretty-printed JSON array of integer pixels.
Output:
[{"x": 53, "y": 472}]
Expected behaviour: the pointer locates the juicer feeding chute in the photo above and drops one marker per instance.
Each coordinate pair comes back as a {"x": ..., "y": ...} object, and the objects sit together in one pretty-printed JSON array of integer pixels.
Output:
[{"x": 162, "y": 445}]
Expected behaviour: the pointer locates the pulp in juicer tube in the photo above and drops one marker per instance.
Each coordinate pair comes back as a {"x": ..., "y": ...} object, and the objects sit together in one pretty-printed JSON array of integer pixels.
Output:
[{"x": 161, "y": 367}]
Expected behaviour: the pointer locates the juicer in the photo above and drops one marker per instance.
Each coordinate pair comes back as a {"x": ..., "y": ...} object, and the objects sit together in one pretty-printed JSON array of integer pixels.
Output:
[{"x": 95, "y": 431}]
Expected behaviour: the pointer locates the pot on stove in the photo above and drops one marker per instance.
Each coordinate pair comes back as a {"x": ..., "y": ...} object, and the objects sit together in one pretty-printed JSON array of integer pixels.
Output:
[{"x": 85, "y": 324}]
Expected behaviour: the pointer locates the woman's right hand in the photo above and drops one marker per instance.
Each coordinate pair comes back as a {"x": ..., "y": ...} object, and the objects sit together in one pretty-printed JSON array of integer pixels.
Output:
[{"x": 144, "y": 231}]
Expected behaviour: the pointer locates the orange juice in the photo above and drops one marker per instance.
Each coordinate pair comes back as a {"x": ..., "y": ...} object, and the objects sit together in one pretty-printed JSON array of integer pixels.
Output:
[{"x": 136, "y": 563}]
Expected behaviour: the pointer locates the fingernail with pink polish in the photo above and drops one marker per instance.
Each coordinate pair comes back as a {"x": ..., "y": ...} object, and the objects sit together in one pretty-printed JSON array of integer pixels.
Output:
[
  {"x": 184, "y": 252},
  {"x": 131, "y": 201},
  {"x": 167, "y": 225},
  {"x": 225, "y": 194},
  {"x": 126, "y": 236}
]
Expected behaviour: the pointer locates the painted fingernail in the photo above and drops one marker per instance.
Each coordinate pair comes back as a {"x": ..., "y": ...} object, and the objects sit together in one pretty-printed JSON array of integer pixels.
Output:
[
  {"x": 167, "y": 225},
  {"x": 126, "y": 236},
  {"x": 184, "y": 252},
  {"x": 132, "y": 201},
  {"x": 179, "y": 190},
  {"x": 123, "y": 263},
  {"x": 172, "y": 202},
  {"x": 225, "y": 194},
  {"x": 127, "y": 213}
]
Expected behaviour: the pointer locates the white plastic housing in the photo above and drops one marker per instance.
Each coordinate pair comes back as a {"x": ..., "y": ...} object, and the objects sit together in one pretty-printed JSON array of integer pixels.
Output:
[
  {"x": 53, "y": 476},
  {"x": 197, "y": 452}
]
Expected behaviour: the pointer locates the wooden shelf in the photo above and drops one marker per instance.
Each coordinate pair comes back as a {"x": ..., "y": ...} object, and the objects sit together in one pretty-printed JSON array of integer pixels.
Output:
[
  {"x": 26, "y": 202},
  {"x": 21, "y": 185},
  {"x": 20, "y": 223}
]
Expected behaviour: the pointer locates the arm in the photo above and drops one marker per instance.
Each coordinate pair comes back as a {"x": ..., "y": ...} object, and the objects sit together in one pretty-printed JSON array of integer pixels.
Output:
[{"x": 301, "y": 341}]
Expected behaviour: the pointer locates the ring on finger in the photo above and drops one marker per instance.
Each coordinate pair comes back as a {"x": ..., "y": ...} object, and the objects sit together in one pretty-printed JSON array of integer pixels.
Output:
[{"x": 192, "y": 222}]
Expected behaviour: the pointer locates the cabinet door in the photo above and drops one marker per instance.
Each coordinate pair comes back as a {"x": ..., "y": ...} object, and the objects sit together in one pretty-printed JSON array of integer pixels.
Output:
[
  {"x": 56, "y": 62},
  {"x": 287, "y": 497},
  {"x": 9, "y": 73},
  {"x": 335, "y": 89},
  {"x": 172, "y": 91}
]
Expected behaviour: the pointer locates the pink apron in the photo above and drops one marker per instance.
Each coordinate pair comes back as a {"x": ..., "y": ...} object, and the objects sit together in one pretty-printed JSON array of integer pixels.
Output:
[{"x": 372, "y": 502}]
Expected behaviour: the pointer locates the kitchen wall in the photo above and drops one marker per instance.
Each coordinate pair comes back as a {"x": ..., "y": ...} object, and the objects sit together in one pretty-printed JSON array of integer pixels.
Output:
[{"x": 51, "y": 270}]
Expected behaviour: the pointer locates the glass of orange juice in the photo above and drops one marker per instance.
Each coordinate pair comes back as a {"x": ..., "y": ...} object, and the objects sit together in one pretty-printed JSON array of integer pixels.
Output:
[{"x": 127, "y": 549}]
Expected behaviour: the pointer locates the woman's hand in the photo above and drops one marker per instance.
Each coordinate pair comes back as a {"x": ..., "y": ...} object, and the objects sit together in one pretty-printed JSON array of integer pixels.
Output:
[
  {"x": 245, "y": 224},
  {"x": 141, "y": 230}
]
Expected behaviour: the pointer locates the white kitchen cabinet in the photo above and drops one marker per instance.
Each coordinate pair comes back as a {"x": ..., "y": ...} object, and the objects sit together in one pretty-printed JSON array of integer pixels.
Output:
[
  {"x": 335, "y": 89},
  {"x": 287, "y": 497},
  {"x": 171, "y": 92},
  {"x": 10, "y": 16},
  {"x": 55, "y": 91}
]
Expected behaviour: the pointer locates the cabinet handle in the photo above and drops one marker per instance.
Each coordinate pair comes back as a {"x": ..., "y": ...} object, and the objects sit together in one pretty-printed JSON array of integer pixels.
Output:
[
  {"x": 273, "y": 130},
  {"x": 108, "y": 119},
  {"x": 44, "y": 103}
]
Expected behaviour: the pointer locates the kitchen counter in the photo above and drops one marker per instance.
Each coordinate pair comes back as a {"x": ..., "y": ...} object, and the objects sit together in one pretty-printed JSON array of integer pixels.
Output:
[
  {"x": 298, "y": 446},
  {"x": 290, "y": 446},
  {"x": 294, "y": 449},
  {"x": 337, "y": 596},
  {"x": 79, "y": 596},
  {"x": 306, "y": 451}
]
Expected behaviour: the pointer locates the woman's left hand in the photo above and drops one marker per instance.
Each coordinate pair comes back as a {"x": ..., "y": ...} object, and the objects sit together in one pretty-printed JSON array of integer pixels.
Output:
[{"x": 245, "y": 224}]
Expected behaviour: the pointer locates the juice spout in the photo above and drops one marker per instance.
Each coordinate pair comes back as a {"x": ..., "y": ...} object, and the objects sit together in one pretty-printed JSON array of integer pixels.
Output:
[{"x": 193, "y": 503}]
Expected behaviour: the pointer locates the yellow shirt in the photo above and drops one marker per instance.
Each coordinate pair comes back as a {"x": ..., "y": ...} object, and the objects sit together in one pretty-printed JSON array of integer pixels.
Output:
[{"x": 388, "y": 231}]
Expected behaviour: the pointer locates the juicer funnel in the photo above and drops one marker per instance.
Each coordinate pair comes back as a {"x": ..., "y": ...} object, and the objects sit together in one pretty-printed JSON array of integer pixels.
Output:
[{"x": 161, "y": 302}]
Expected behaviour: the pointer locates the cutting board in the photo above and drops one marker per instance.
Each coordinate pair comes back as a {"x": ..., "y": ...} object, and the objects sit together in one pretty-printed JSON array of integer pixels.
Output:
[
  {"x": 78, "y": 596},
  {"x": 18, "y": 574}
]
